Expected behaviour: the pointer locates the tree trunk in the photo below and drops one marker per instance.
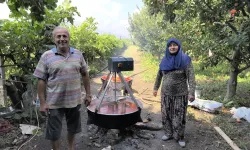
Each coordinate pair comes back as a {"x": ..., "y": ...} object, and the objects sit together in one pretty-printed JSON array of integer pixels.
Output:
[
  {"x": 13, "y": 94},
  {"x": 158, "y": 55},
  {"x": 232, "y": 82},
  {"x": 231, "y": 85}
]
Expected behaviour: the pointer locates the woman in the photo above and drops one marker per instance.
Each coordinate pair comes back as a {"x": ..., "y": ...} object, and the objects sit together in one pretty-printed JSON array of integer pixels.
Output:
[{"x": 178, "y": 87}]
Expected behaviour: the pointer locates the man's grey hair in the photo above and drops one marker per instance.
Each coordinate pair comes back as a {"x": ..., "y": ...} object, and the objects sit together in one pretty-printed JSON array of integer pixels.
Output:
[{"x": 57, "y": 28}]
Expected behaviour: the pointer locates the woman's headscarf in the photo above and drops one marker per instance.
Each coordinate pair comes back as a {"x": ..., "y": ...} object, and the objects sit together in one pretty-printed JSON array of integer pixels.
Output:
[{"x": 172, "y": 62}]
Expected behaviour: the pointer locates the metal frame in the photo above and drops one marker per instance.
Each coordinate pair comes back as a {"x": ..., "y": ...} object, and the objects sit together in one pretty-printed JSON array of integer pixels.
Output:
[{"x": 105, "y": 85}]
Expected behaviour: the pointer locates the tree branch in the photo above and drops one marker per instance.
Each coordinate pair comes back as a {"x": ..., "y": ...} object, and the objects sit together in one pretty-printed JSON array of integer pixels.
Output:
[
  {"x": 212, "y": 10},
  {"x": 11, "y": 57},
  {"x": 244, "y": 13},
  {"x": 227, "y": 58},
  {"x": 232, "y": 27},
  {"x": 5, "y": 55},
  {"x": 244, "y": 68},
  {"x": 209, "y": 6},
  {"x": 9, "y": 65}
]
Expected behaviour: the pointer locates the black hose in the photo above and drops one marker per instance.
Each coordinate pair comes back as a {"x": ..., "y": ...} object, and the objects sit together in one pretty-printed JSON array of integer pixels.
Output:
[{"x": 93, "y": 75}]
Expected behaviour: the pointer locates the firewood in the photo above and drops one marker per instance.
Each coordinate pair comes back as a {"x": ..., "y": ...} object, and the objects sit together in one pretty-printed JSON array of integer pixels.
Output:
[{"x": 141, "y": 125}]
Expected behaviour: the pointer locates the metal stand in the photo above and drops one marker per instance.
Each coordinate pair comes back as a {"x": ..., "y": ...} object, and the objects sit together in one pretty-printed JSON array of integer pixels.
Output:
[{"x": 105, "y": 86}]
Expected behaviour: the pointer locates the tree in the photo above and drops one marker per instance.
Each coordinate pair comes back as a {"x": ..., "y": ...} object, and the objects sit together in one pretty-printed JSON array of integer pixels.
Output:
[
  {"x": 23, "y": 39},
  {"x": 96, "y": 47},
  {"x": 146, "y": 32},
  {"x": 226, "y": 23},
  {"x": 37, "y": 8},
  {"x": 151, "y": 32}
]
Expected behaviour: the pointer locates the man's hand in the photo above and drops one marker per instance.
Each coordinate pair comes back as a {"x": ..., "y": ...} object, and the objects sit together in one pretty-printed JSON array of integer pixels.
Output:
[
  {"x": 155, "y": 93},
  {"x": 44, "y": 108},
  {"x": 87, "y": 100},
  {"x": 191, "y": 98}
]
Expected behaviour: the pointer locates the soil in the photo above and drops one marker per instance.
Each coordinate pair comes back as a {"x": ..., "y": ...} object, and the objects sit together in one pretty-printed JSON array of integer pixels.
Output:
[{"x": 199, "y": 135}]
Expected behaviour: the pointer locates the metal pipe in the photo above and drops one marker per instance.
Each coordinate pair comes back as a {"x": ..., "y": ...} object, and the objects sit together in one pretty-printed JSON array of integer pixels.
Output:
[
  {"x": 115, "y": 88},
  {"x": 128, "y": 89},
  {"x": 104, "y": 84},
  {"x": 105, "y": 90}
]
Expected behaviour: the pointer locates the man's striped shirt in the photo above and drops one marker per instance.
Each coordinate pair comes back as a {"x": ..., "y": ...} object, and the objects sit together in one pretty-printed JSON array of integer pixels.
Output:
[{"x": 63, "y": 76}]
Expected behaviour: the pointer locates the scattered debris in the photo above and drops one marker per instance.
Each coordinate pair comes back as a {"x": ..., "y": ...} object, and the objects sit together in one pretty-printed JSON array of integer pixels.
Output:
[
  {"x": 28, "y": 129},
  {"x": 7, "y": 112},
  {"x": 148, "y": 118},
  {"x": 131, "y": 136},
  {"x": 107, "y": 148},
  {"x": 164, "y": 147},
  {"x": 20, "y": 140},
  {"x": 10, "y": 148},
  {"x": 7, "y": 139},
  {"x": 97, "y": 145},
  {"x": 144, "y": 135},
  {"x": 5, "y": 126}
]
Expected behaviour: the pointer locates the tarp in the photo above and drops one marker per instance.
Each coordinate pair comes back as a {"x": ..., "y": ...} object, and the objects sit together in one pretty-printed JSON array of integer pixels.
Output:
[{"x": 206, "y": 105}]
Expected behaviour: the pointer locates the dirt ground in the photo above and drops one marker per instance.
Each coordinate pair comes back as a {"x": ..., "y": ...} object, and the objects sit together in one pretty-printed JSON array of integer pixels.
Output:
[{"x": 200, "y": 135}]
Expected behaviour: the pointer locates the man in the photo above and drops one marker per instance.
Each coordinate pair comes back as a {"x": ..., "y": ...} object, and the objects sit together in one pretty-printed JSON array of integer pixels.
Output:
[{"x": 60, "y": 73}]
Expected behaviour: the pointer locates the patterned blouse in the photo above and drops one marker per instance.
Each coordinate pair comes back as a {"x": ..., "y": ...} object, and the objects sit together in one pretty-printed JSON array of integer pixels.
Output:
[{"x": 176, "y": 82}]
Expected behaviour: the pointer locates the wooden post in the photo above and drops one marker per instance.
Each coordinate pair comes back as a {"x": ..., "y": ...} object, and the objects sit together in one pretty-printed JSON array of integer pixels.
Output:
[{"x": 227, "y": 139}]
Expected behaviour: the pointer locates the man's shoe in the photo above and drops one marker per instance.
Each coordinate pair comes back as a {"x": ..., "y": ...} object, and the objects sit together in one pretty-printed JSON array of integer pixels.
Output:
[
  {"x": 165, "y": 138},
  {"x": 182, "y": 143}
]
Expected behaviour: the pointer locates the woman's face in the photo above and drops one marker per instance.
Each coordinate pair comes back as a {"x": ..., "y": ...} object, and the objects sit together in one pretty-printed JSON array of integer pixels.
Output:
[{"x": 173, "y": 48}]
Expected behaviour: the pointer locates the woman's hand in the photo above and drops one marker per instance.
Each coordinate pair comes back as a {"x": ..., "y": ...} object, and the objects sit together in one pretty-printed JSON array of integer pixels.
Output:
[
  {"x": 155, "y": 93},
  {"x": 191, "y": 98}
]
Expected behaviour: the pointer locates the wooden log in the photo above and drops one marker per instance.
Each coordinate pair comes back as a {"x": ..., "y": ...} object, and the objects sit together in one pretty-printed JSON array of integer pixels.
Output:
[
  {"x": 141, "y": 125},
  {"x": 146, "y": 102},
  {"x": 226, "y": 138},
  {"x": 147, "y": 99}
]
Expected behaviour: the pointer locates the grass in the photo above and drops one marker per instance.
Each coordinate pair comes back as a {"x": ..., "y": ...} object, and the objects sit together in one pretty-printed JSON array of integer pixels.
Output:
[
  {"x": 151, "y": 63},
  {"x": 238, "y": 132},
  {"x": 128, "y": 53},
  {"x": 213, "y": 83}
]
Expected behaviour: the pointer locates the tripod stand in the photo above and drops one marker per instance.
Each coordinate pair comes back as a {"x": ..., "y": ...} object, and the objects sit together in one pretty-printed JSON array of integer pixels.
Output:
[{"x": 106, "y": 84}]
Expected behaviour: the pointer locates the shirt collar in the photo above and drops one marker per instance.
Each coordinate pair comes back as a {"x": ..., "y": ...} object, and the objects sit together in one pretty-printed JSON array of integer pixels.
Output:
[{"x": 70, "y": 49}]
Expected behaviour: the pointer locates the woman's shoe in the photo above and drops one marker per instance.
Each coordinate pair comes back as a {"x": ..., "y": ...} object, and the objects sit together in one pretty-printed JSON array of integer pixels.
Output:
[
  {"x": 182, "y": 143},
  {"x": 165, "y": 138}
]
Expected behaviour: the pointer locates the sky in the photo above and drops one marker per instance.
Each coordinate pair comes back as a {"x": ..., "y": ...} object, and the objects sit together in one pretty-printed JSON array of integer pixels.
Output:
[{"x": 111, "y": 15}]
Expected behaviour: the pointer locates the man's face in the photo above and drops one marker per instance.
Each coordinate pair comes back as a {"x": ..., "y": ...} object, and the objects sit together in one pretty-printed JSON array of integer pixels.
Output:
[
  {"x": 173, "y": 48},
  {"x": 61, "y": 38}
]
